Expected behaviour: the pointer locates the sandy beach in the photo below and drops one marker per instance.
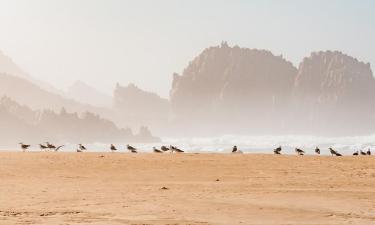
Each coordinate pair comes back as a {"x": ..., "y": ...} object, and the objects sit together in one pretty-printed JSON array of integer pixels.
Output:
[{"x": 123, "y": 188}]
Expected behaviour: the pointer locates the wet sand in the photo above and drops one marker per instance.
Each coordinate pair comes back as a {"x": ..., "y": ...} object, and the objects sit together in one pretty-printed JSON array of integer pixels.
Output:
[{"x": 123, "y": 188}]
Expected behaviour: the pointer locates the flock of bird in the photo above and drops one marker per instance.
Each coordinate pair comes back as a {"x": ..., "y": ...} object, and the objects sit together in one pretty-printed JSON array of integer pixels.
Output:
[
  {"x": 299, "y": 151},
  {"x": 333, "y": 152},
  {"x": 81, "y": 148}
]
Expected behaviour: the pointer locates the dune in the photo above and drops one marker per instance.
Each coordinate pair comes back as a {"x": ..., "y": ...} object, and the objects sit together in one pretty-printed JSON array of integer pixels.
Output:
[{"x": 225, "y": 189}]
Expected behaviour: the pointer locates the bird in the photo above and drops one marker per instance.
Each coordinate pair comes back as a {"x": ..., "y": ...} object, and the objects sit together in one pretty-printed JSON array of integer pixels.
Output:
[
  {"x": 356, "y": 153},
  {"x": 81, "y": 147},
  {"x": 131, "y": 149},
  {"x": 234, "y": 149},
  {"x": 277, "y": 150},
  {"x": 172, "y": 148},
  {"x": 317, "y": 150},
  {"x": 299, "y": 151},
  {"x": 368, "y": 152},
  {"x": 362, "y": 152},
  {"x": 42, "y": 147},
  {"x": 113, "y": 148},
  {"x": 333, "y": 152},
  {"x": 157, "y": 150},
  {"x": 50, "y": 146},
  {"x": 58, "y": 148},
  {"x": 23, "y": 146},
  {"x": 164, "y": 148},
  {"x": 175, "y": 149}
]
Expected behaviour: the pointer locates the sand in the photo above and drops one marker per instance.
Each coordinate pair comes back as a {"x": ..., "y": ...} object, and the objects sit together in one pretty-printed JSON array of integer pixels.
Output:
[{"x": 123, "y": 188}]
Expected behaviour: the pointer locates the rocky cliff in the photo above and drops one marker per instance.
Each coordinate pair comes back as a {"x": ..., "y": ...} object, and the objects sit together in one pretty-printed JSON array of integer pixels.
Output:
[
  {"x": 238, "y": 90},
  {"x": 233, "y": 88},
  {"x": 334, "y": 91}
]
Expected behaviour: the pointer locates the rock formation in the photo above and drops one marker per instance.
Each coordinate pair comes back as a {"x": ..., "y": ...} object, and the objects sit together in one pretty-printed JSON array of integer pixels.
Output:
[
  {"x": 334, "y": 92},
  {"x": 233, "y": 89},
  {"x": 238, "y": 90}
]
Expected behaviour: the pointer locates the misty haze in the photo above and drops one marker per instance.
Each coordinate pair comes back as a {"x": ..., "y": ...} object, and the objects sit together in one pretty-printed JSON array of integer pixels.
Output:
[{"x": 283, "y": 90}]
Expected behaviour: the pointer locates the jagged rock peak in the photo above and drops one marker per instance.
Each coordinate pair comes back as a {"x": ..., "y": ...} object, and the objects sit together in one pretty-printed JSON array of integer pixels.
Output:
[
  {"x": 332, "y": 69},
  {"x": 224, "y": 72}
]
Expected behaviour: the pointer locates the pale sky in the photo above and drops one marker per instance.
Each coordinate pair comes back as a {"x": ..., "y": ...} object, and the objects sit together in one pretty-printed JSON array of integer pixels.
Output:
[{"x": 102, "y": 42}]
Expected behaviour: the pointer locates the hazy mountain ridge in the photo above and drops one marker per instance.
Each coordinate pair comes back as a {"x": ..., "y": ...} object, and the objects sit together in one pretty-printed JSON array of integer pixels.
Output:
[
  {"x": 20, "y": 122},
  {"x": 231, "y": 90},
  {"x": 85, "y": 94},
  {"x": 8, "y": 66},
  {"x": 134, "y": 106},
  {"x": 28, "y": 93},
  {"x": 31, "y": 112}
]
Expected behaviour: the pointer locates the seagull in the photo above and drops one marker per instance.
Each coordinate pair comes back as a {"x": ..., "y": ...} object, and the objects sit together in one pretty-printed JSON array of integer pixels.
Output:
[
  {"x": 42, "y": 147},
  {"x": 234, "y": 149},
  {"x": 172, "y": 148},
  {"x": 131, "y": 149},
  {"x": 363, "y": 153},
  {"x": 317, "y": 150},
  {"x": 50, "y": 146},
  {"x": 175, "y": 149},
  {"x": 113, "y": 148},
  {"x": 333, "y": 152},
  {"x": 277, "y": 150},
  {"x": 23, "y": 146},
  {"x": 81, "y": 147},
  {"x": 368, "y": 152},
  {"x": 58, "y": 148},
  {"x": 356, "y": 153},
  {"x": 299, "y": 151},
  {"x": 157, "y": 150},
  {"x": 164, "y": 148}
]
